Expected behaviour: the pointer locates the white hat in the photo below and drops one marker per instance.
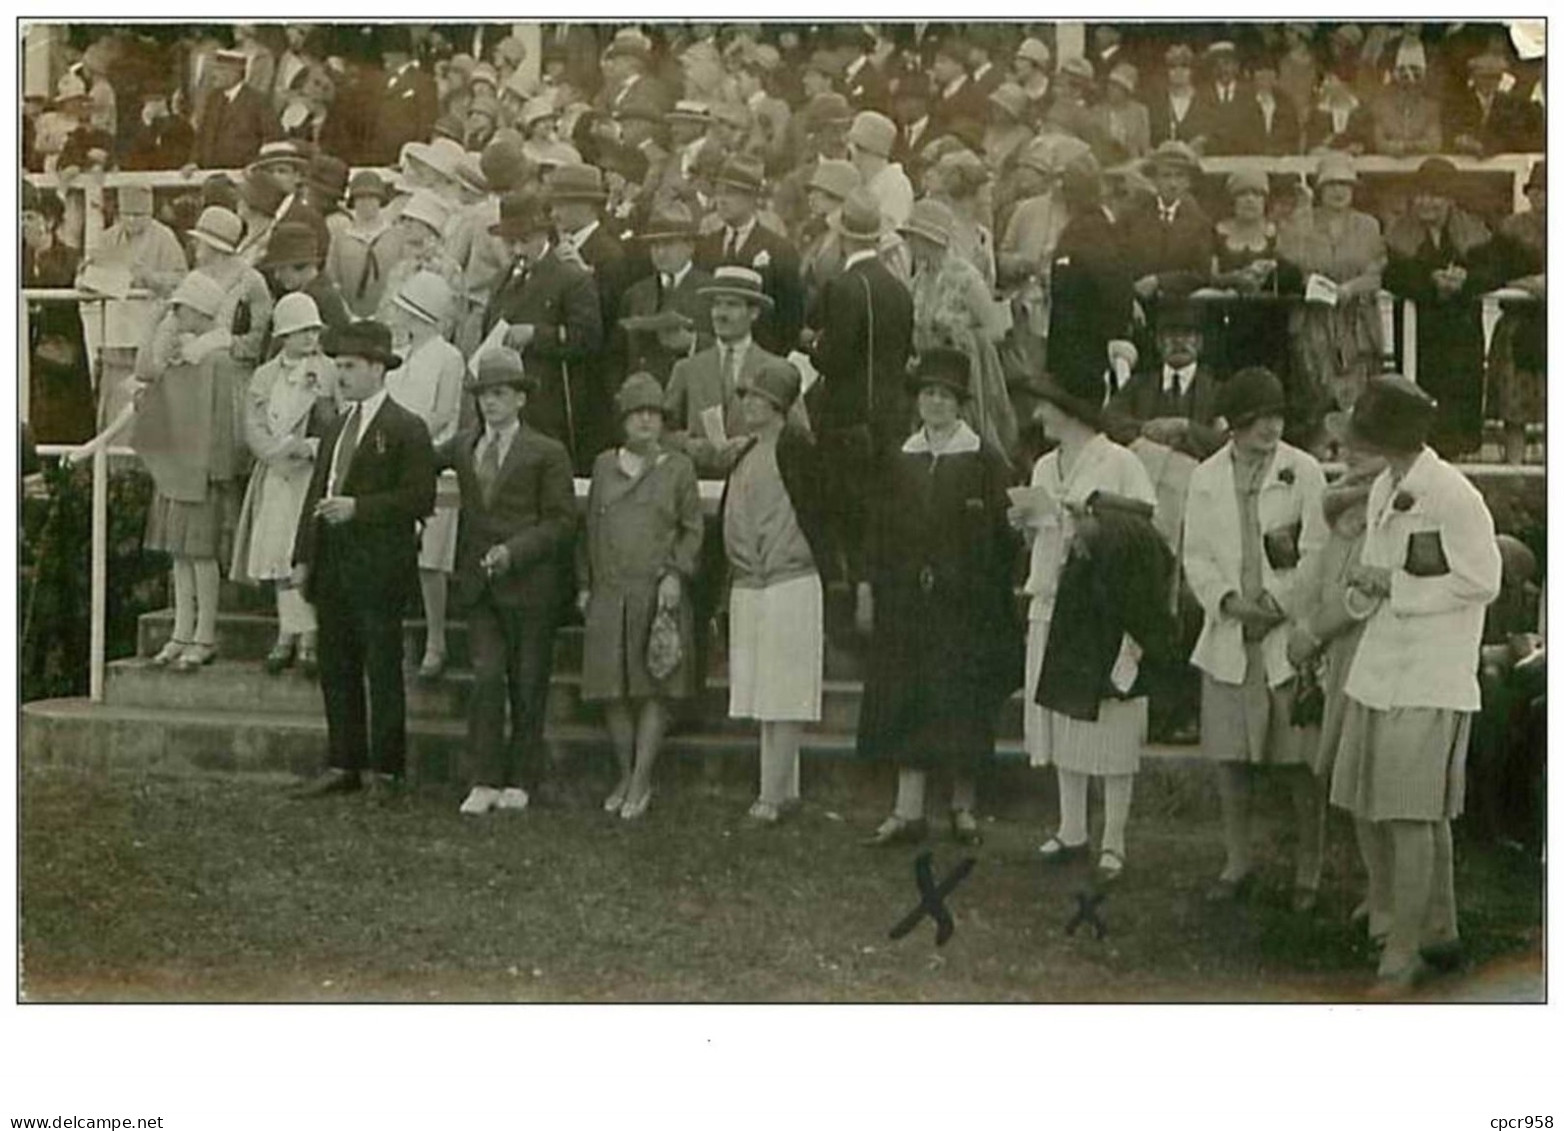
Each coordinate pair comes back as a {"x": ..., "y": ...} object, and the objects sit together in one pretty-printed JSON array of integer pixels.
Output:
[
  {"x": 200, "y": 292},
  {"x": 428, "y": 208},
  {"x": 295, "y": 312},
  {"x": 219, "y": 228},
  {"x": 426, "y": 296}
]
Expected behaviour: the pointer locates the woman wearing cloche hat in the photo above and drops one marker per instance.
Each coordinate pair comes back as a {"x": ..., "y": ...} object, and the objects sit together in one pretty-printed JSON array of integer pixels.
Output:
[
  {"x": 945, "y": 651},
  {"x": 643, "y": 538}
]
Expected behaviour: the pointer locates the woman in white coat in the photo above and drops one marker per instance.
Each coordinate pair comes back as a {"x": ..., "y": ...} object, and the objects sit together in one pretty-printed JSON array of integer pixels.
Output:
[
  {"x": 1254, "y": 512},
  {"x": 1430, "y": 564}
]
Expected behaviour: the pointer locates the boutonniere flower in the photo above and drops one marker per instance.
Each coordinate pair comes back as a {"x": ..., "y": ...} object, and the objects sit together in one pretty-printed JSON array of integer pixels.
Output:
[
  {"x": 762, "y": 260},
  {"x": 1285, "y": 475},
  {"x": 380, "y": 443},
  {"x": 1403, "y": 501}
]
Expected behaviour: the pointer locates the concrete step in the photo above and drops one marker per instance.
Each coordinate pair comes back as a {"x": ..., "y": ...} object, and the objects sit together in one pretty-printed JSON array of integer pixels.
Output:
[{"x": 227, "y": 684}]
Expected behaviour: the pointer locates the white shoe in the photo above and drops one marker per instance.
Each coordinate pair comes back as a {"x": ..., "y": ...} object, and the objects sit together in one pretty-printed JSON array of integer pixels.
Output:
[
  {"x": 480, "y": 800},
  {"x": 512, "y": 797}
]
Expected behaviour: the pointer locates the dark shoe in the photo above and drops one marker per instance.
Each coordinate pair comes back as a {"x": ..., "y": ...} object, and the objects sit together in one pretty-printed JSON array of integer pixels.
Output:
[
  {"x": 964, "y": 827},
  {"x": 897, "y": 830},
  {"x": 1443, "y": 956},
  {"x": 309, "y": 665},
  {"x": 1227, "y": 890},
  {"x": 332, "y": 781},
  {"x": 280, "y": 658},
  {"x": 1055, "y": 851}
]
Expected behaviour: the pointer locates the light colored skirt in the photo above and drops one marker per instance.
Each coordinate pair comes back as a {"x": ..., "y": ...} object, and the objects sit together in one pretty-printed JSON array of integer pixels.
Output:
[
  {"x": 437, "y": 548},
  {"x": 268, "y": 521},
  {"x": 1111, "y": 745},
  {"x": 776, "y": 651},
  {"x": 1405, "y": 764},
  {"x": 1252, "y": 721}
]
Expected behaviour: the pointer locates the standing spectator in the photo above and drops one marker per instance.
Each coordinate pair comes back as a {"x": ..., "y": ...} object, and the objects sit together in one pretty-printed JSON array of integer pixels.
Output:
[
  {"x": 1336, "y": 333},
  {"x": 247, "y": 301},
  {"x": 830, "y": 184},
  {"x": 308, "y": 114},
  {"x": 1123, "y": 127},
  {"x": 1298, "y": 71},
  {"x": 301, "y": 51},
  {"x": 60, "y": 400},
  {"x": 362, "y": 253},
  {"x": 869, "y": 78},
  {"x": 1339, "y": 121},
  {"x": 420, "y": 246},
  {"x": 673, "y": 286},
  {"x": 1033, "y": 70},
  {"x": 945, "y": 643},
  {"x": 355, "y": 558},
  {"x": 1518, "y": 355},
  {"x": 910, "y": 108},
  {"x": 235, "y": 120},
  {"x": 769, "y": 115},
  {"x": 1181, "y": 112},
  {"x": 1406, "y": 114},
  {"x": 1271, "y": 126},
  {"x": 292, "y": 262},
  {"x": 1173, "y": 241},
  {"x": 628, "y": 84},
  {"x": 959, "y": 180},
  {"x": 260, "y": 72},
  {"x": 870, "y": 141},
  {"x": 517, "y": 517},
  {"x": 1485, "y": 119},
  {"x": 1007, "y": 133},
  {"x": 958, "y": 105},
  {"x": 744, "y": 241},
  {"x": 774, "y": 533},
  {"x": 643, "y": 547},
  {"x": 159, "y": 139},
  {"x": 1429, "y": 566},
  {"x": 1232, "y": 103},
  {"x": 408, "y": 102},
  {"x": 1254, "y": 514}
]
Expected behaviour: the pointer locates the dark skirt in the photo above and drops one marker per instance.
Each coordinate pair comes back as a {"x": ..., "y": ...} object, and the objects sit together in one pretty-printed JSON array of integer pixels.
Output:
[{"x": 192, "y": 530}]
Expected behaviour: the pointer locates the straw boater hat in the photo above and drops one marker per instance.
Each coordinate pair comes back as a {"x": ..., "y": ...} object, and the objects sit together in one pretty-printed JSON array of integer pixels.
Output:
[
  {"x": 737, "y": 282},
  {"x": 946, "y": 368},
  {"x": 426, "y": 296},
  {"x": 295, "y": 312},
  {"x": 200, "y": 292},
  {"x": 501, "y": 366},
  {"x": 639, "y": 392},
  {"x": 219, "y": 228},
  {"x": 275, "y": 153},
  {"x": 366, "y": 338}
]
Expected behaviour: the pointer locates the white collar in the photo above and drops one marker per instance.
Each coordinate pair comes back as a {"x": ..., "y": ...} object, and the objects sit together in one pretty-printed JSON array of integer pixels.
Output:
[
  {"x": 955, "y": 85},
  {"x": 963, "y": 440},
  {"x": 504, "y": 434},
  {"x": 367, "y": 409},
  {"x": 677, "y": 277},
  {"x": 859, "y": 256},
  {"x": 740, "y": 347},
  {"x": 981, "y": 71},
  {"x": 233, "y": 92},
  {"x": 581, "y": 235},
  {"x": 1183, "y": 378}
]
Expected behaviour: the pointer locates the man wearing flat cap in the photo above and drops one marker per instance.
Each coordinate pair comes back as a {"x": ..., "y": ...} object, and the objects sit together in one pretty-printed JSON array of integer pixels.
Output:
[
  {"x": 235, "y": 120},
  {"x": 517, "y": 518},
  {"x": 355, "y": 558}
]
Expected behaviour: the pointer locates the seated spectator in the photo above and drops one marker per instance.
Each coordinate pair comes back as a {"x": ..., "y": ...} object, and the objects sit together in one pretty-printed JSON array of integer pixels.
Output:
[
  {"x": 1406, "y": 115},
  {"x": 1273, "y": 128},
  {"x": 159, "y": 138},
  {"x": 60, "y": 404},
  {"x": 1518, "y": 355},
  {"x": 1486, "y": 119},
  {"x": 1123, "y": 128},
  {"x": 1339, "y": 121},
  {"x": 1172, "y": 402},
  {"x": 1181, "y": 112},
  {"x": 86, "y": 146}
]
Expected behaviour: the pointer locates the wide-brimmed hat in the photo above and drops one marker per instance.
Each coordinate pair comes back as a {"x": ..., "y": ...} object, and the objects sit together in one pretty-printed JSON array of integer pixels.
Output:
[
  {"x": 874, "y": 132},
  {"x": 275, "y": 153},
  {"x": 672, "y": 222},
  {"x": 1010, "y": 98},
  {"x": 329, "y": 174},
  {"x": 1248, "y": 180},
  {"x": 260, "y": 192},
  {"x": 469, "y": 174},
  {"x": 1176, "y": 154},
  {"x": 366, "y": 338},
  {"x": 291, "y": 244},
  {"x": 932, "y": 220},
  {"x": 576, "y": 182},
  {"x": 1335, "y": 169},
  {"x": 1437, "y": 176},
  {"x": 426, "y": 296},
  {"x": 521, "y": 215},
  {"x": 1250, "y": 394},
  {"x": 835, "y": 178},
  {"x": 743, "y": 173},
  {"x": 640, "y": 391},
  {"x": 200, "y": 292},
  {"x": 427, "y": 208},
  {"x": 859, "y": 218},
  {"x": 134, "y": 200},
  {"x": 1075, "y": 389},
  {"x": 501, "y": 366},
  {"x": 295, "y": 312},
  {"x": 737, "y": 282},
  {"x": 778, "y": 381},
  {"x": 367, "y": 182},
  {"x": 218, "y": 228},
  {"x": 947, "y": 368},
  {"x": 1391, "y": 414}
]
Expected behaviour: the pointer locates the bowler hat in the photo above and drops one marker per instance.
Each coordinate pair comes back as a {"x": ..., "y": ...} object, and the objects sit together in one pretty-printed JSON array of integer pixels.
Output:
[
  {"x": 521, "y": 215},
  {"x": 503, "y": 163},
  {"x": 1250, "y": 394},
  {"x": 367, "y": 182},
  {"x": 218, "y": 228},
  {"x": 828, "y": 108},
  {"x": 425, "y": 296},
  {"x": 742, "y": 172},
  {"x": 295, "y": 312},
  {"x": 639, "y": 391},
  {"x": 859, "y": 218},
  {"x": 947, "y": 368},
  {"x": 1076, "y": 390},
  {"x": 501, "y": 366},
  {"x": 874, "y": 132},
  {"x": 291, "y": 244},
  {"x": 737, "y": 282},
  {"x": 673, "y": 221},
  {"x": 576, "y": 182},
  {"x": 1391, "y": 414},
  {"x": 778, "y": 381},
  {"x": 366, "y": 338},
  {"x": 199, "y": 291}
]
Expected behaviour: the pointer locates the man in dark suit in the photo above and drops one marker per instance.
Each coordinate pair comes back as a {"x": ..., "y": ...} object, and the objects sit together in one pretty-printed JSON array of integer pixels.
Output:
[
  {"x": 1174, "y": 402},
  {"x": 1482, "y": 119},
  {"x": 1271, "y": 127},
  {"x": 629, "y": 88},
  {"x": 957, "y": 101},
  {"x": 1181, "y": 112},
  {"x": 236, "y": 120},
  {"x": 518, "y": 512},
  {"x": 356, "y": 559},
  {"x": 673, "y": 287},
  {"x": 744, "y": 241},
  {"x": 549, "y": 299},
  {"x": 408, "y": 102},
  {"x": 862, "y": 327},
  {"x": 1231, "y": 100},
  {"x": 1171, "y": 240}
]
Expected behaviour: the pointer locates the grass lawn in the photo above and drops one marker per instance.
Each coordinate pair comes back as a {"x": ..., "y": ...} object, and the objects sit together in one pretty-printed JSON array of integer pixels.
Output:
[{"x": 212, "y": 887}]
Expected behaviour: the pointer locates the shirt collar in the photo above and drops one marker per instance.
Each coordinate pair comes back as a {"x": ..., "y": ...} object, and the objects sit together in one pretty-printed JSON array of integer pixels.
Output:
[
  {"x": 677, "y": 277},
  {"x": 739, "y": 347},
  {"x": 964, "y": 440},
  {"x": 955, "y": 85},
  {"x": 741, "y": 234},
  {"x": 233, "y": 92},
  {"x": 859, "y": 256},
  {"x": 1182, "y": 378},
  {"x": 581, "y": 235},
  {"x": 367, "y": 409},
  {"x": 502, "y": 435}
]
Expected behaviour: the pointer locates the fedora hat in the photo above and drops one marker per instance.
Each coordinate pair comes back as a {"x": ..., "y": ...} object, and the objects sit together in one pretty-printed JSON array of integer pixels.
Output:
[
  {"x": 947, "y": 368},
  {"x": 521, "y": 215},
  {"x": 218, "y": 228},
  {"x": 503, "y": 163},
  {"x": 427, "y": 208},
  {"x": 859, "y": 218},
  {"x": 501, "y": 366},
  {"x": 1175, "y": 153},
  {"x": 295, "y": 312},
  {"x": 737, "y": 282},
  {"x": 366, "y": 338},
  {"x": 469, "y": 174},
  {"x": 426, "y": 296},
  {"x": 1249, "y": 394},
  {"x": 576, "y": 182},
  {"x": 1077, "y": 390},
  {"x": 835, "y": 178},
  {"x": 778, "y": 381},
  {"x": 367, "y": 182},
  {"x": 672, "y": 222},
  {"x": 1391, "y": 414},
  {"x": 291, "y": 244},
  {"x": 932, "y": 220},
  {"x": 639, "y": 391},
  {"x": 874, "y": 132},
  {"x": 260, "y": 192},
  {"x": 742, "y": 172},
  {"x": 200, "y": 292}
]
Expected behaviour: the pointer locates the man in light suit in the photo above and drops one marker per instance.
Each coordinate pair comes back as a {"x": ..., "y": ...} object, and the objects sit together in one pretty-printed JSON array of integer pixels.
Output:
[
  {"x": 355, "y": 558},
  {"x": 518, "y": 512}
]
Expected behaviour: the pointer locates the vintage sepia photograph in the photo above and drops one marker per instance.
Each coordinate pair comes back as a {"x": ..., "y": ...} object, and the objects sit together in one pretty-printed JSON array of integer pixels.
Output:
[{"x": 781, "y": 511}]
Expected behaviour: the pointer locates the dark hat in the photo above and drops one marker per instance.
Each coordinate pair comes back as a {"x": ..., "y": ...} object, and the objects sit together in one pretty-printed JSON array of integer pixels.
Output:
[
  {"x": 778, "y": 381},
  {"x": 1437, "y": 176},
  {"x": 521, "y": 215},
  {"x": 947, "y": 368},
  {"x": 367, "y": 339},
  {"x": 501, "y": 366},
  {"x": 742, "y": 172},
  {"x": 828, "y": 108},
  {"x": 1076, "y": 390},
  {"x": 674, "y": 221},
  {"x": 291, "y": 244},
  {"x": 367, "y": 182},
  {"x": 503, "y": 163},
  {"x": 640, "y": 391},
  {"x": 1392, "y": 415},
  {"x": 260, "y": 192},
  {"x": 1250, "y": 394},
  {"x": 219, "y": 191},
  {"x": 576, "y": 182},
  {"x": 329, "y": 174},
  {"x": 1179, "y": 314}
]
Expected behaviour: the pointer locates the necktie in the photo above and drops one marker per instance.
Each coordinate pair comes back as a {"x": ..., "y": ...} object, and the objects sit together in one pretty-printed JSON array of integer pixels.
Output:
[
  {"x": 1166, "y": 211},
  {"x": 347, "y": 444},
  {"x": 730, "y": 245},
  {"x": 730, "y": 357},
  {"x": 489, "y": 467}
]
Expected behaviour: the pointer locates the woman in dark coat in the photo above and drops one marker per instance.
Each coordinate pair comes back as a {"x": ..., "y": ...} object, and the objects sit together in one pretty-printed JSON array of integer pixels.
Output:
[
  {"x": 1441, "y": 258},
  {"x": 60, "y": 402},
  {"x": 946, "y": 647},
  {"x": 643, "y": 543},
  {"x": 1518, "y": 357}
]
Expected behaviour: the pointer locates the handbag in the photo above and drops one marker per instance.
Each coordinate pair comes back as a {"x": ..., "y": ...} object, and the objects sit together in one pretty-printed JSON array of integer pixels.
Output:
[{"x": 664, "y": 648}]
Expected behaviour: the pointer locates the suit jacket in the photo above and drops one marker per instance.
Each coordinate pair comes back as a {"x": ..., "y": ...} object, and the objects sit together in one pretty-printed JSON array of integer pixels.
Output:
[
  {"x": 405, "y": 110},
  {"x": 968, "y": 104},
  {"x": 1196, "y": 125},
  {"x": 869, "y": 88},
  {"x": 640, "y": 348},
  {"x": 230, "y": 134},
  {"x": 777, "y": 261},
  {"x": 1143, "y": 399},
  {"x": 1320, "y": 131},
  {"x": 863, "y": 322},
  {"x": 532, "y": 509},
  {"x": 1092, "y": 279},
  {"x": 166, "y": 144},
  {"x": 373, "y": 557},
  {"x": 695, "y": 386},
  {"x": 1178, "y": 253},
  {"x": 1231, "y": 122},
  {"x": 1504, "y": 129},
  {"x": 1240, "y": 127}
]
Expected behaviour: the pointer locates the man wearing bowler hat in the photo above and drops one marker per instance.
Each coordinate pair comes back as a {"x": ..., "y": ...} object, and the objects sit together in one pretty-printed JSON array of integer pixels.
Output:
[
  {"x": 356, "y": 560},
  {"x": 743, "y": 241},
  {"x": 518, "y": 514}
]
